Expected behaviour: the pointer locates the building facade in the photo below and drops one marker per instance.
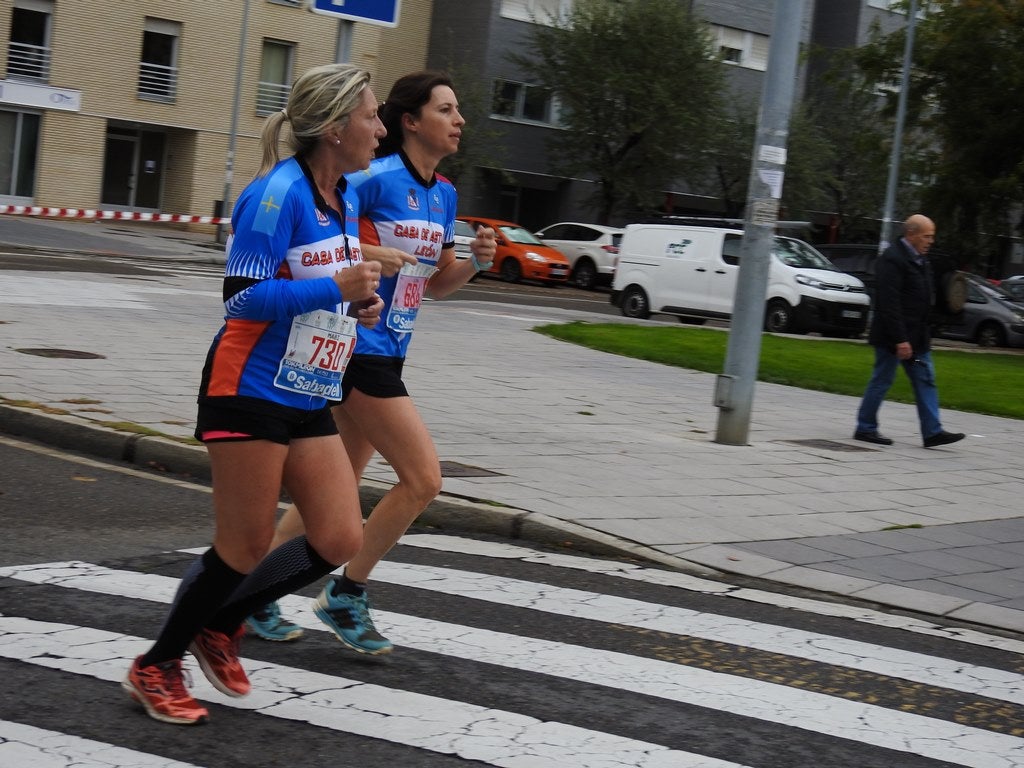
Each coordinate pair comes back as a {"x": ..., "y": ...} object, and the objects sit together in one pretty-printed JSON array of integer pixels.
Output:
[
  {"x": 136, "y": 106},
  {"x": 478, "y": 37}
]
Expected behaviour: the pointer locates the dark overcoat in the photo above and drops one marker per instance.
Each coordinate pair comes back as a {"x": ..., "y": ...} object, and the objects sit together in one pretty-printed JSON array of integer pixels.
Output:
[{"x": 903, "y": 299}]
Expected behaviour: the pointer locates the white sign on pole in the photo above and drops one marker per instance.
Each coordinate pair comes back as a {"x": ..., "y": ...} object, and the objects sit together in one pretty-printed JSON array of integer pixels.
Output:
[{"x": 383, "y": 13}]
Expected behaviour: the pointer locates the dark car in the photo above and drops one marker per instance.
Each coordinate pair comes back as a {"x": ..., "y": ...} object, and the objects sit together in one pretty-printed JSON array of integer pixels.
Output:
[{"x": 857, "y": 259}]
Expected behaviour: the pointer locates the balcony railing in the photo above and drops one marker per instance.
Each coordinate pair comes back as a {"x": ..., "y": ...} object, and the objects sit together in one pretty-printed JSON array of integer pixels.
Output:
[
  {"x": 157, "y": 82},
  {"x": 28, "y": 62},
  {"x": 270, "y": 97}
]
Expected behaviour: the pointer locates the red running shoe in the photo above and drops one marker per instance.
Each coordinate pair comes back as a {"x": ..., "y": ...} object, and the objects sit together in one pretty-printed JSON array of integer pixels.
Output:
[
  {"x": 160, "y": 688},
  {"x": 217, "y": 655}
]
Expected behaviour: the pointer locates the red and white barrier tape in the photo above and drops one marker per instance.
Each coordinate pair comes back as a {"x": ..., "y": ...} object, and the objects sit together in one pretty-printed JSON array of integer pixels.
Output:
[{"x": 85, "y": 213}]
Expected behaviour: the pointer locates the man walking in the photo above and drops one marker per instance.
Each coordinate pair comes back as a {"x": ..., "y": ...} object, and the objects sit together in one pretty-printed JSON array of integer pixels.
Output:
[{"x": 900, "y": 333}]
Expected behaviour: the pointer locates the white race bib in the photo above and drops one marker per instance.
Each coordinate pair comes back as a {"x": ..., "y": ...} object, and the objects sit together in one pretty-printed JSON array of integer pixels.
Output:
[
  {"x": 409, "y": 289},
  {"x": 319, "y": 347}
]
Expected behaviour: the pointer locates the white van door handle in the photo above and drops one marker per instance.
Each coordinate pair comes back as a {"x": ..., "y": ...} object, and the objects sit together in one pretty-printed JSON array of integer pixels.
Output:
[
  {"x": 700, "y": 269},
  {"x": 719, "y": 271}
]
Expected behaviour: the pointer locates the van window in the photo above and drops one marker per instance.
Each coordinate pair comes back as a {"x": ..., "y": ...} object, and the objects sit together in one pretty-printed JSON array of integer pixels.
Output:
[
  {"x": 797, "y": 253},
  {"x": 731, "y": 249}
]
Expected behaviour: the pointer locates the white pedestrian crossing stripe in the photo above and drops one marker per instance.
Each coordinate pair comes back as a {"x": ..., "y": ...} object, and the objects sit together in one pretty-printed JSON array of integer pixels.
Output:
[
  {"x": 931, "y": 737},
  {"x": 826, "y": 649},
  {"x": 427, "y": 722},
  {"x": 854, "y": 612},
  {"x": 25, "y": 746}
]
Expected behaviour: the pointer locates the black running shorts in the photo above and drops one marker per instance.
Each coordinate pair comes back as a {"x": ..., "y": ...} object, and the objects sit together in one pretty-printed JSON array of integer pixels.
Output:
[
  {"x": 279, "y": 424},
  {"x": 374, "y": 375}
]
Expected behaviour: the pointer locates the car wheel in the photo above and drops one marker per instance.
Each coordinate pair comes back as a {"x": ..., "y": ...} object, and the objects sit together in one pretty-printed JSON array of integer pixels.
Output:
[
  {"x": 584, "y": 274},
  {"x": 990, "y": 335},
  {"x": 635, "y": 303},
  {"x": 510, "y": 270},
  {"x": 779, "y": 317}
]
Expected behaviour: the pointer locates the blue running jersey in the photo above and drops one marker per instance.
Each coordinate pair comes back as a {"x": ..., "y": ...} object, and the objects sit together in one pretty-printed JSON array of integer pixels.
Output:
[
  {"x": 401, "y": 210},
  {"x": 287, "y": 245}
]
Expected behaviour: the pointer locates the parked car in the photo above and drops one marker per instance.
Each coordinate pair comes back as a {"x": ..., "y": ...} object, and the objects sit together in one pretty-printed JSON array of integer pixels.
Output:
[
  {"x": 591, "y": 249},
  {"x": 990, "y": 317},
  {"x": 854, "y": 259},
  {"x": 520, "y": 255},
  {"x": 464, "y": 235},
  {"x": 691, "y": 272},
  {"x": 859, "y": 260},
  {"x": 1014, "y": 286}
]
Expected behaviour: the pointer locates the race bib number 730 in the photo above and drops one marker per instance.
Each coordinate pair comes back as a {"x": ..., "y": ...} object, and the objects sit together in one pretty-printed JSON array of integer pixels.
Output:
[{"x": 319, "y": 347}]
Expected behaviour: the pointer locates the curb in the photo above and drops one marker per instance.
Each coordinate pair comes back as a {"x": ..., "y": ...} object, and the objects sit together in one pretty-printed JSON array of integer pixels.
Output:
[
  {"x": 475, "y": 516},
  {"x": 446, "y": 512}
]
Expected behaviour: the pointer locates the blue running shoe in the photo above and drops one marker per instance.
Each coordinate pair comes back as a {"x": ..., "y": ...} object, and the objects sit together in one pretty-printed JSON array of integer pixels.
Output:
[
  {"x": 349, "y": 617},
  {"x": 269, "y": 624}
]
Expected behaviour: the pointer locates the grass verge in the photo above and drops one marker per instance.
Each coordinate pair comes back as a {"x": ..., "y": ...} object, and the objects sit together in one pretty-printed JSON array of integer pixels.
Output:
[{"x": 989, "y": 383}]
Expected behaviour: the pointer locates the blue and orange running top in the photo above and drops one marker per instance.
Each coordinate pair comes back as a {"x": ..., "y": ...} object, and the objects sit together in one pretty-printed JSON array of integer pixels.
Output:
[
  {"x": 399, "y": 209},
  {"x": 287, "y": 245}
]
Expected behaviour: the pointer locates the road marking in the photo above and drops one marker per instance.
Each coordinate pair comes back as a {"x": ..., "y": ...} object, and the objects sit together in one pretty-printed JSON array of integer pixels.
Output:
[
  {"x": 492, "y": 736},
  {"x": 690, "y": 583},
  {"x": 882, "y": 727},
  {"x": 25, "y": 746}
]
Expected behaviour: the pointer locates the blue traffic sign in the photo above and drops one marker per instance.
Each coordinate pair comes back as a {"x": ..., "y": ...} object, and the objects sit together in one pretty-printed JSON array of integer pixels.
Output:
[{"x": 384, "y": 13}]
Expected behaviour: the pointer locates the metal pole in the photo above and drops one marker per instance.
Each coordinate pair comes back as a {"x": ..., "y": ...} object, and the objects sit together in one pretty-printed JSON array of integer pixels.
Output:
[
  {"x": 897, "y": 139},
  {"x": 229, "y": 166},
  {"x": 734, "y": 391}
]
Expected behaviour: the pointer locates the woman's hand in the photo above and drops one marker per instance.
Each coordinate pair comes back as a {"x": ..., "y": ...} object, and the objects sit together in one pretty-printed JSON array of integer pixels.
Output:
[
  {"x": 390, "y": 259},
  {"x": 484, "y": 246},
  {"x": 359, "y": 281},
  {"x": 369, "y": 315}
]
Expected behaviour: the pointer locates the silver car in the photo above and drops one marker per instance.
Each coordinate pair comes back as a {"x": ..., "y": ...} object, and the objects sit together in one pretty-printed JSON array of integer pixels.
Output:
[
  {"x": 464, "y": 235},
  {"x": 990, "y": 318}
]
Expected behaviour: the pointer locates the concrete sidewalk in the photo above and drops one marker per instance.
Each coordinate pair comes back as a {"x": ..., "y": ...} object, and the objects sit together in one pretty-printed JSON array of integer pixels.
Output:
[{"x": 545, "y": 440}]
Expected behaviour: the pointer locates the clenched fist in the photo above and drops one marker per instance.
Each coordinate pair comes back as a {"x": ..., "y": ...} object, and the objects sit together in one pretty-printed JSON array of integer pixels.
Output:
[{"x": 359, "y": 281}]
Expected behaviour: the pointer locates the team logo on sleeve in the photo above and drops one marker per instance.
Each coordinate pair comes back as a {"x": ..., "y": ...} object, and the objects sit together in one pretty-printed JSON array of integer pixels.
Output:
[{"x": 412, "y": 201}]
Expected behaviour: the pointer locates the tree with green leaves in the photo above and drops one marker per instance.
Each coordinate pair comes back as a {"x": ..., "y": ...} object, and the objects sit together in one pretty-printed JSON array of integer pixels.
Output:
[
  {"x": 966, "y": 92},
  {"x": 639, "y": 88},
  {"x": 850, "y": 146}
]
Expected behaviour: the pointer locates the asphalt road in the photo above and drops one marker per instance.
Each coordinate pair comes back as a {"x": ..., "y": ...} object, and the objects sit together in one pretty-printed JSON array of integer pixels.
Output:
[{"x": 506, "y": 656}]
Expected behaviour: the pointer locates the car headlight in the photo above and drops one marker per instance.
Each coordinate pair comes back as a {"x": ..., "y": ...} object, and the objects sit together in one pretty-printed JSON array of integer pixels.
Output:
[
  {"x": 813, "y": 282},
  {"x": 535, "y": 256}
]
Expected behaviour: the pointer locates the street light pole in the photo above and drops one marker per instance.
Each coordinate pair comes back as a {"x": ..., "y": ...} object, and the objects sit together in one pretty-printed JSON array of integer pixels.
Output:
[
  {"x": 897, "y": 139},
  {"x": 734, "y": 389},
  {"x": 229, "y": 167}
]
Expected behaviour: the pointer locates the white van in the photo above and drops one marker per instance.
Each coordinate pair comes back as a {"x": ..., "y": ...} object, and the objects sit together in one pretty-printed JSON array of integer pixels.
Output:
[{"x": 691, "y": 271}]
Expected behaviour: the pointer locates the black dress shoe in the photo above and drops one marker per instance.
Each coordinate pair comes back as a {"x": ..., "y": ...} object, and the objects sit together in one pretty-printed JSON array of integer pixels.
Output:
[
  {"x": 872, "y": 437},
  {"x": 943, "y": 438}
]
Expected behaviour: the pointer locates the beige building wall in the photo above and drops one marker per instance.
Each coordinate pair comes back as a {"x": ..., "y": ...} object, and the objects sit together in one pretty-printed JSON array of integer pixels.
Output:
[{"x": 96, "y": 47}]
